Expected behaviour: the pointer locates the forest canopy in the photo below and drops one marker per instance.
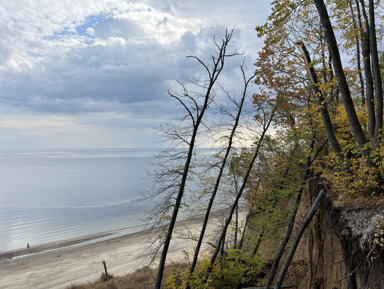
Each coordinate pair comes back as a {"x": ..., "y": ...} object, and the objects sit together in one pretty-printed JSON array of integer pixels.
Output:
[{"x": 317, "y": 113}]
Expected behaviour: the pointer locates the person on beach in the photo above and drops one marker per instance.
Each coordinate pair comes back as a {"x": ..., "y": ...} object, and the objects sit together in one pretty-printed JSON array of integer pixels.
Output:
[{"x": 27, "y": 245}]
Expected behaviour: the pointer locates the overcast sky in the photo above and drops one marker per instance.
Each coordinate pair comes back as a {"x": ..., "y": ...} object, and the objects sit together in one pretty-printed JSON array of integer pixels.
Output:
[{"x": 95, "y": 73}]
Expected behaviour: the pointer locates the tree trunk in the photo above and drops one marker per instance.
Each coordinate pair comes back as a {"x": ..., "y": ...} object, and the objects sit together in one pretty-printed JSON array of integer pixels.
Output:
[
  {"x": 175, "y": 210},
  {"x": 299, "y": 234},
  {"x": 245, "y": 179},
  {"x": 354, "y": 123},
  {"x": 217, "y": 183},
  {"x": 366, "y": 43},
  {"x": 321, "y": 102},
  {"x": 105, "y": 270},
  {"x": 376, "y": 73},
  {"x": 291, "y": 224},
  {"x": 247, "y": 218},
  {"x": 218, "y": 64},
  {"x": 222, "y": 249},
  {"x": 358, "y": 60},
  {"x": 236, "y": 226}
]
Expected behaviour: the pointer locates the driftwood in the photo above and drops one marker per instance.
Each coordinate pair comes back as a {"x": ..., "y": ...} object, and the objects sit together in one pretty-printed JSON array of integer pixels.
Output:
[{"x": 105, "y": 269}]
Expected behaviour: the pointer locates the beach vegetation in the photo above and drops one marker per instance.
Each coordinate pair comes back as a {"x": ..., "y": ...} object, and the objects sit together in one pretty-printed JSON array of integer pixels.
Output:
[
  {"x": 143, "y": 278},
  {"x": 236, "y": 269},
  {"x": 106, "y": 277}
]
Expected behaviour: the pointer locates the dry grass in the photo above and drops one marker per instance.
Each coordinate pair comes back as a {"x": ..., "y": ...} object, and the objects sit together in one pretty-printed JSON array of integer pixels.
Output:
[{"x": 141, "y": 279}]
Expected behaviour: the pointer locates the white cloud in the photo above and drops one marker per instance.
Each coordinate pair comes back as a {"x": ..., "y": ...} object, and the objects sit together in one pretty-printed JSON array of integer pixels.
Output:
[
  {"x": 98, "y": 129},
  {"x": 107, "y": 58},
  {"x": 39, "y": 124},
  {"x": 90, "y": 31}
]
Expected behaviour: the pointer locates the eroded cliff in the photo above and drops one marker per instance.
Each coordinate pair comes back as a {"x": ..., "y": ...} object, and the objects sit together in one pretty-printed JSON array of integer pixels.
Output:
[{"x": 344, "y": 245}]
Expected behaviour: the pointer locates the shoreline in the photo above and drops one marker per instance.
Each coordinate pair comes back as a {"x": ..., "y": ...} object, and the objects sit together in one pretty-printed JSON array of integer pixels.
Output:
[
  {"x": 85, "y": 239},
  {"x": 71, "y": 242},
  {"x": 52, "y": 246},
  {"x": 61, "y": 264}
]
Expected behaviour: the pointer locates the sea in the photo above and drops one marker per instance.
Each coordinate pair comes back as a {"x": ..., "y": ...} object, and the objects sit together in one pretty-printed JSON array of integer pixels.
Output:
[{"x": 58, "y": 194}]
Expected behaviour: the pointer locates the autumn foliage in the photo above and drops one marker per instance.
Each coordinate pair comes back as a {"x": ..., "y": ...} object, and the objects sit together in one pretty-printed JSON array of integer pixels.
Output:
[{"x": 309, "y": 88}]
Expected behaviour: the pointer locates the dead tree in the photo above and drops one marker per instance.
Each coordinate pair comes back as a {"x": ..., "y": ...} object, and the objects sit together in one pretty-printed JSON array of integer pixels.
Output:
[
  {"x": 195, "y": 105},
  {"x": 267, "y": 120},
  {"x": 236, "y": 119}
]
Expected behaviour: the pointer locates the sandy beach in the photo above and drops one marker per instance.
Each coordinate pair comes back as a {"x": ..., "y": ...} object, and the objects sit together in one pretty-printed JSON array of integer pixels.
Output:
[{"x": 55, "y": 266}]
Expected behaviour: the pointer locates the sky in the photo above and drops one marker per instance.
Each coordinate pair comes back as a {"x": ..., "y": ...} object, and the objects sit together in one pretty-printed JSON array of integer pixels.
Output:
[{"x": 96, "y": 73}]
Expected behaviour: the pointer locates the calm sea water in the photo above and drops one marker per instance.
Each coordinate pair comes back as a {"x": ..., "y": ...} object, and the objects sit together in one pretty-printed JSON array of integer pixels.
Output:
[{"x": 52, "y": 195}]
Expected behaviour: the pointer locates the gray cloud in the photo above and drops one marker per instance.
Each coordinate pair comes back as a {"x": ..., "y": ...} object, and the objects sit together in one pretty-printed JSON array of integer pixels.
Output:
[{"x": 111, "y": 58}]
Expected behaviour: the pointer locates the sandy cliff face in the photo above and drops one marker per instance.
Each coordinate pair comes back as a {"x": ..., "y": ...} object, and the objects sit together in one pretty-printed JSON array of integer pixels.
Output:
[{"x": 342, "y": 247}]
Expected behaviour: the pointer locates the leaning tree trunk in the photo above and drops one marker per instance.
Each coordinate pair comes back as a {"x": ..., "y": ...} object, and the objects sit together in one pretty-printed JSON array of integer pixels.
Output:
[
  {"x": 354, "y": 123},
  {"x": 248, "y": 216},
  {"x": 222, "y": 167},
  {"x": 335, "y": 145},
  {"x": 366, "y": 51},
  {"x": 296, "y": 241},
  {"x": 218, "y": 65},
  {"x": 376, "y": 73},
  {"x": 291, "y": 224},
  {"x": 239, "y": 194},
  {"x": 358, "y": 60},
  {"x": 178, "y": 201}
]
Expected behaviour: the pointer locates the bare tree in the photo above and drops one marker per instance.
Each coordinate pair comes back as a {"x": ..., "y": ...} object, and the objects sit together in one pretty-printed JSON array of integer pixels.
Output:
[
  {"x": 195, "y": 104},
  {"x": 267, "y": 114},
  {"x": 236, "y": 119}
]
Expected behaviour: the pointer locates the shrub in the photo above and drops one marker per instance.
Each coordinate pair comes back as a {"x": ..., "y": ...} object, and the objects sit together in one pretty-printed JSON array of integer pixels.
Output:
[
  {"x": 236, "y": 269},
  {"x": 106, "y": 278}
]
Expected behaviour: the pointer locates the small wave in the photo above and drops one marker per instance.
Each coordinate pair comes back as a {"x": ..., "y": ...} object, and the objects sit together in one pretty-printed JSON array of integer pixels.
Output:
[
  {"x": 102, "y": 205},
  {"x": 72, "y": 206}
]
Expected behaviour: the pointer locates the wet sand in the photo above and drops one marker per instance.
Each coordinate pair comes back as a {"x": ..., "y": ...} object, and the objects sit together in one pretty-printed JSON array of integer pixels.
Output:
[{"x": 60, "y": 264}]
